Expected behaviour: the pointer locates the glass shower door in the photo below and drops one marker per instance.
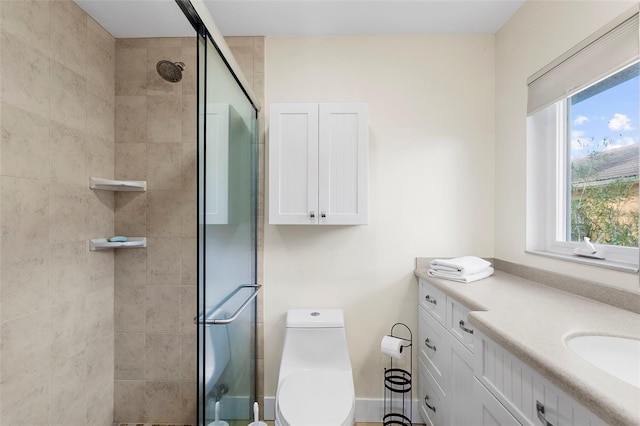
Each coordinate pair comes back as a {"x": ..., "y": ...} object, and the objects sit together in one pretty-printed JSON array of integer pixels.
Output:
[{"x": 227, "y": 172}]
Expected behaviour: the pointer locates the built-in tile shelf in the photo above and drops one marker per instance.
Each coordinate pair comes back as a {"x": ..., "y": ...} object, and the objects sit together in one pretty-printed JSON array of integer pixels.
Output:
[
  {"x": 118, "y": 185},
  {"x": 105, "y": 244}
]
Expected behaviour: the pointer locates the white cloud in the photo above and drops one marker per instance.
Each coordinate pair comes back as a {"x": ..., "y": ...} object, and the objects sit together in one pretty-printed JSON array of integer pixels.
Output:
[
  {"x": 580, "y": 120},
  {"x": 619, "y": 143},
  {"x": 577, "y": 133},
  {"x": 620, "y": 122}
]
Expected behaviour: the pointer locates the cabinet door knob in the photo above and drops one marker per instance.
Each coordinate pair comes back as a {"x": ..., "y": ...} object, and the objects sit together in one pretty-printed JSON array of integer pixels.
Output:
[
  {"x": 426, "y": 343},
  {"x": 540, "y": 411},
  {"x": 430, "y": 407},
  {"x": 465, "y": 329},
  {"x": 312, "y": 214},
  {"x": 430, "y": 300},
  {"x": 323, "y": 214}
]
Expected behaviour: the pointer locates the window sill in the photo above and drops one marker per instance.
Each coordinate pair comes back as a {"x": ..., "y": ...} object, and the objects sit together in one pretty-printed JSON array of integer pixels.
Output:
[{"x": 601, "y": 263}]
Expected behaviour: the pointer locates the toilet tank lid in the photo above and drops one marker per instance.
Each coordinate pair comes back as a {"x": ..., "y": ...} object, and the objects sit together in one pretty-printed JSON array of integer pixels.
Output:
[{"x": 315, "y": 318}]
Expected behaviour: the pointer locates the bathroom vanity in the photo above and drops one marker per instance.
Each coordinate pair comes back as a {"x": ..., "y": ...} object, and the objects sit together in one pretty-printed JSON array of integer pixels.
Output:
[{"x": 493, "y": 352}]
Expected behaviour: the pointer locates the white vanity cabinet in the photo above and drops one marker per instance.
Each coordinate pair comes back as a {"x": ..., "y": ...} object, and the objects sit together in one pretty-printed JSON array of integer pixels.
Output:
[
  {"x": 445, "y": 383},
  {"x": 318, "y": 164}
]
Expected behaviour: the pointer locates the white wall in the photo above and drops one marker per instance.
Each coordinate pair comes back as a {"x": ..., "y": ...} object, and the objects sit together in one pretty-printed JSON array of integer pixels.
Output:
[
  {"x": 539, "y": 32},
  {"x": 431, "y": 129}
]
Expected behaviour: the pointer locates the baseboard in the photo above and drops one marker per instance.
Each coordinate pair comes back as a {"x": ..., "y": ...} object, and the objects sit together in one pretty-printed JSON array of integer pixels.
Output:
[{"x": 368, "y": 410}]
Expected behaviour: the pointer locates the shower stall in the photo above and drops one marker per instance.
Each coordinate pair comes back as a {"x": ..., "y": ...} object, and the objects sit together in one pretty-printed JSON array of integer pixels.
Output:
[{"x": 227, "y": 235}]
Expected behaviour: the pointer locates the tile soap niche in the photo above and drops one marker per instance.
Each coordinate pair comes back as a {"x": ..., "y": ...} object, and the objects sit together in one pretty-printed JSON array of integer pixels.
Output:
[{"x": 122, "y": 186}]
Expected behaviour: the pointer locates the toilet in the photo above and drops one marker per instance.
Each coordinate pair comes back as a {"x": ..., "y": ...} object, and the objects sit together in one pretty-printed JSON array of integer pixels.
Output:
[{"x": 315, "y": 384}]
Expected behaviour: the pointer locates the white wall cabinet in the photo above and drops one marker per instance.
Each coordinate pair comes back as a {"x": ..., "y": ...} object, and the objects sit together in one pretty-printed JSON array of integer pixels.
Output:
[
  {"x": 318, "y": 164},
  {"x": 467, "y": 379}
]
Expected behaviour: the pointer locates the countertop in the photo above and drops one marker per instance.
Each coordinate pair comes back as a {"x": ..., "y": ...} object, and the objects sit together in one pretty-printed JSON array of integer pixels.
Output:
[{"x": 532, "y": 320}]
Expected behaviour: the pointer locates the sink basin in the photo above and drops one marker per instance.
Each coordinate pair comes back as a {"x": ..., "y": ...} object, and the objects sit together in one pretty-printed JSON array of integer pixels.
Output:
[{"x": 618, "y": 356}]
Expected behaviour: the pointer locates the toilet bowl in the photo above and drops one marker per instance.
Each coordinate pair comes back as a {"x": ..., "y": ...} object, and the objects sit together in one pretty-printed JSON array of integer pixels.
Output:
[{"x": 315, "y": 384}]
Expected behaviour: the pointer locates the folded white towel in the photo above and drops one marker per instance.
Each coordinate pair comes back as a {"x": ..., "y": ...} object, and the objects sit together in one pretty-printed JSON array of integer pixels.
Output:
[
  {"x": 460, "y": 266},
  {"x": 461, "y": 279}
]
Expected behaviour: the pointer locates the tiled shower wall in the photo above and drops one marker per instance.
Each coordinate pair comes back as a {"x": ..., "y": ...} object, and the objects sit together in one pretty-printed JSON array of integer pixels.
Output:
[
  {"x": 57, "y": 130},
  {"x": 155, "y": 288}
]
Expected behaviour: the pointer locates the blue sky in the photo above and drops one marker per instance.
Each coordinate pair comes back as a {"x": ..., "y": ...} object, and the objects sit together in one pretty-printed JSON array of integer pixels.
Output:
[{"x": 612, "y": 114}]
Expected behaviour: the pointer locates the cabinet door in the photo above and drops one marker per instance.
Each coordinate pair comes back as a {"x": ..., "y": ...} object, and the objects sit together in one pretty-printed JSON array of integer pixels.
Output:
[
  {"x": 431, "y": 399},
  {"x": 460, "y": 394},
  {"x": 487, "y": 410},
  {"x": 293, "y": 164},
  {"x": 217, "y": 170},
  {"x": 343, "y": 165}
]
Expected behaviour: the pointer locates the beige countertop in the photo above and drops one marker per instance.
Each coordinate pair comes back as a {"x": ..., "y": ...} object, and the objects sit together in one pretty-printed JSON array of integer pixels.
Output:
[{"x": 532, "y": 320}]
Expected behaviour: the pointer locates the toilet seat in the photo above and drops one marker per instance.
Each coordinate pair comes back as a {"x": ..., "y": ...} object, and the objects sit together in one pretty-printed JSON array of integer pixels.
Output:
[{"x": 316, "y": 398}]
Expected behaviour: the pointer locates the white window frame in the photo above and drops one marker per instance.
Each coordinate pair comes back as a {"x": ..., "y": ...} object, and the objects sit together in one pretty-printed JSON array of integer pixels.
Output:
[{"x": 547, "y": 139}]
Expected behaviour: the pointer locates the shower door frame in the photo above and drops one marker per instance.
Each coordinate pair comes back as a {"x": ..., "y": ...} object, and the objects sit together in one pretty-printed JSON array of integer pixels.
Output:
[{"x": 201, "y": 321}]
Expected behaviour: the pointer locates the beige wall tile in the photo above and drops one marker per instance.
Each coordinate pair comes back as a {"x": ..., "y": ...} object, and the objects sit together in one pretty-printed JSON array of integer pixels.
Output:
[
  {"x": 25, "y": 144},
  {"x": 189, "y": 262},
  {"x": 100, "y": 157},
  {"x": 131, "y": 213},
  {"x": 189, "y": 169},
  {"x": 130, "y": 43},
  {"x": 100, "y": 214},
  {"x": 163, "y": 261},
  {"x": 164, "y": 42},
  {"x": 163, "y": 357},
  {"x": 164, "y": 118},
  {"x": 131, "y": 267},
  {"x": 67, "y": 213},
  {"x": 130, "y": 401},
  {"x": 99, "y": 317},
  {"x": 68, "y": 97},
  {"x": 164, "y": 213},
  {"x": 99, "y": 413},
  {"x": 244, "y": 57},
  {"x": 30, "y": 21},
  {"x": 25, "y": 76},
  {"x": 190, "y": 73},
  {"x": 101, "y": 114},
  {"x": 189, "y": 216},
  {"x": 130, "y": 308},
  {"x": 68, "y": 155},
  {"x": 130, "y": 356},
  {"x": 100, "y": 265},
  {"x": 69, "y": 36},
  {"x": 68, "y": 389},
  {"x": 188, "y": 356},
  {"x": 163, "y": 401},
  {"x": 188, "y": 308},
  {"x": 24, "y": 279},
  {"x": 101, "y": 56},
  {"x": 24, "y": 212},
  {"x": 188, "y": 402},
  {"x": 164, "y": 166},
  {"x": 131, "y": 65},
  {"x": 100, "y": 363},
  {"x": 68, "y": 273},
  {"x": 190, "y": 120},
  {"x": 131, "y": 119},
  {"x": 131, "y": 161},
  {"x": 24, "y": 395},
  {"x": 163, "y": 313}
]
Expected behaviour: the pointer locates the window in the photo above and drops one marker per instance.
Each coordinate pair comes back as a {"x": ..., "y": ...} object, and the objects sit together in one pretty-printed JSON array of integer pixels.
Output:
[{"x": 583, "y": 139}]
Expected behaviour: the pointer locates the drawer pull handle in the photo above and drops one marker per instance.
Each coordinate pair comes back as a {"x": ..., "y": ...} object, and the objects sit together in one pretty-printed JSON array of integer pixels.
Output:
[
  {"x": 430, "y": 300},
  {"x": 540, "y": 410},
  {"x": 465, "y": 329},
  {"x": 430, "y": 407},
  {"x": 426, "y": 343}
]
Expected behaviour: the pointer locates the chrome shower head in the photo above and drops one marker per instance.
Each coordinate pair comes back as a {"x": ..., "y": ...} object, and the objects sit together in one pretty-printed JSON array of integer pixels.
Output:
[{"x": 170, "y": 71}]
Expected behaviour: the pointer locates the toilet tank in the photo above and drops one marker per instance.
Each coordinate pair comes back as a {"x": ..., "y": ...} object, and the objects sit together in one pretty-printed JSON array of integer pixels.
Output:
[{"x": 315, "y": 341}]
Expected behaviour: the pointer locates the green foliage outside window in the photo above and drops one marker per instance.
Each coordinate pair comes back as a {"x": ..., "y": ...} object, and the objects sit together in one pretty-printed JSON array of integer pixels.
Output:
[{"x": 605, "y": 210}]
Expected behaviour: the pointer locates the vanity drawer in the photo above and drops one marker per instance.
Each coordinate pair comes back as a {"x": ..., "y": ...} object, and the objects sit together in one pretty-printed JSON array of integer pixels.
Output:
[
  {"x": 433, "y": 347},
  {"x": 458, "y": 324},
  {"x": 432, "y": 399},
  {"x": 433, "y": 301}
]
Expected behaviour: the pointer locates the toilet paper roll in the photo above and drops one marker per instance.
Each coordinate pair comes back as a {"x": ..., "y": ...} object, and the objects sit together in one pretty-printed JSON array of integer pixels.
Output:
[{"x": 392, "y": 346}]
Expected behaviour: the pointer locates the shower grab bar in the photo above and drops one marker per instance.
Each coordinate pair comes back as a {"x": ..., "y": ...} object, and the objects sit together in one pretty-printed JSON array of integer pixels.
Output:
[{"x": 236, "y": 314}]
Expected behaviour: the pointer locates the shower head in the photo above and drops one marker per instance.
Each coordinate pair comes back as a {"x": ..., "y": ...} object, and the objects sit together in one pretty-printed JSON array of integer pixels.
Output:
[{"x": 170, "y": 71}]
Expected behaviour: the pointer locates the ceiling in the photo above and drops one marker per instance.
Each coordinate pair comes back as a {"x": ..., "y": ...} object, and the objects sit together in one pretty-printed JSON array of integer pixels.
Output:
[{"x": 163, "y": 18}]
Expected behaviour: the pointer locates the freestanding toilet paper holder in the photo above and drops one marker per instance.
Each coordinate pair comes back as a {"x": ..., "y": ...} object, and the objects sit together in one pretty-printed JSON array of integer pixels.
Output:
[{"x": 397, "y": 384}]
